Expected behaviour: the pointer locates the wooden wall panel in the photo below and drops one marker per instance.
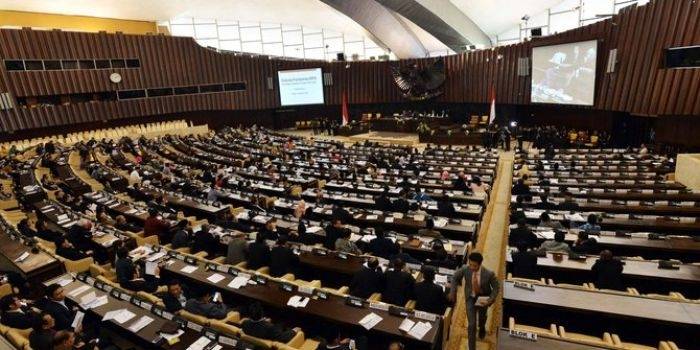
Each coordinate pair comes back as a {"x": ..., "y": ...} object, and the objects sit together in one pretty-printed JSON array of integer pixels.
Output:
[{"x": 638, "y": 86}]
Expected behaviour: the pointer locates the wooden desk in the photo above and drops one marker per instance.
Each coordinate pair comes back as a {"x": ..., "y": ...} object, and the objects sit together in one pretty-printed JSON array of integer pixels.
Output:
[
  {"x": 36, "y": 268},
  {"x": 643, "y": 275},
  {"x": 507, "y": 342},
  {"x": 146, "y": 336},
  {"x": 332, "y": 310}
]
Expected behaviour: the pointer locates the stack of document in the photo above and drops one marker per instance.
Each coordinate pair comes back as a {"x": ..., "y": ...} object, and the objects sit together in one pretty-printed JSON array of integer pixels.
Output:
[
  {"x": 91, "y": 300},
  {"x": 140, "y": 323},
  {"x": 199, "y": 344},
  {"x": 415, "y": 329},
  {"x": 120, "y": 315},
  {"x": 239, "y": 281},
  {"x": 370, "y": 320}
]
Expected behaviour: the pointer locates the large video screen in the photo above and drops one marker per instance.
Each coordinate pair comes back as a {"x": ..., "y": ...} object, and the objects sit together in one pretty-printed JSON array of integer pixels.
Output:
[
  {"x": 564, "y": 74},
  {"x": 300, "y": 87}
]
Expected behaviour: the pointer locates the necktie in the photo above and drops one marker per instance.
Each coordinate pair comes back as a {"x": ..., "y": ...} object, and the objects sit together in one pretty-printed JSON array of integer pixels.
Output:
[{"x": 475, "y": 284}]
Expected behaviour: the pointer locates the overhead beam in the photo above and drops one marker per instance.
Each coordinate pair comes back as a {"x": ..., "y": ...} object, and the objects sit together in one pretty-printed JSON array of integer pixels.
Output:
[
  {"x": 443, "y": 20},
  {"x": 383, "y": 25}
]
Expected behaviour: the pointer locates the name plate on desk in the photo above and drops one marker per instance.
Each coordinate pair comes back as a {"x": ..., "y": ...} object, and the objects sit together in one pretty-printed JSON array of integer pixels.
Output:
[
  {"x": 523, "y": 335},
  {"x": 524, "y": 285},
  {"x": 194, "y": 326},
  {"x": 379, "y": 306},
  {"x": 425, "y": 315},
  {"x": 306, "y": 290},
  {"x": 343, "y": 256},
  {"x": 321, "y": 252},
  {"x": 354, "y": 301},
  {"x": 259, "y": 279},
  {"x": 399, "y": 311},
  {"x": 287, "y": 287}
]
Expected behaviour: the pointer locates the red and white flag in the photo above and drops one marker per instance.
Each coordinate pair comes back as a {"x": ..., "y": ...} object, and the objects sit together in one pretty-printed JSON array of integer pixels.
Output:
[
  {"x": 492, "y": 112},
  {"x": 346, "y": 115}
]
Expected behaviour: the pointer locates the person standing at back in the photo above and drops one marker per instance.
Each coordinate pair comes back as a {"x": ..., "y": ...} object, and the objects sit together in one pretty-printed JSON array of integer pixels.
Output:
[{"x": 478, "y": 282}]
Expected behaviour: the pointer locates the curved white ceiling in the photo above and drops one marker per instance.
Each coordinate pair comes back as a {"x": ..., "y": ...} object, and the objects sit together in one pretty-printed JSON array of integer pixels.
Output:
[{"x": 492, "y": 16}]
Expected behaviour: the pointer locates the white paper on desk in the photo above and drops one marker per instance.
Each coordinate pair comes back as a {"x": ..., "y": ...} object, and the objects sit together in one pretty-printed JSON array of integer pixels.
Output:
[
  {"x": 131, "y": 211},
  {"x": 298, "y": 301},
  {"x": 370, "y": 320},
  {"x": 140, "y": 323},
  {"x": 545, "y": 234},
  {"x": 77, "y": 320},
  {"x": 368, "y": 238},
  {"x": 238, "y": 282},
  {"x": 420, "y": 330},
  {"x": 157, "y": 256},
  {"x": 64, "y": 281},
  {"x": 389, "y": 220},
  {"x": 574, "y": 217},
  {"x": 215, "y": 278},
  {"x": 151, "y": 268},
  {"x": 440, "y": 278},
  {"x": 110, "y": 315},
  {"x": 170, "y": 337},
  {"x": 406, "y": 325},
  {"x": 88, "y": 298},
  {"x": 77, "y": 291},
  {"x": 124, "y": 315},
  {"x": 199, "y": 344},
  {"x": 22, "y": 257},
  {"x": 371, "y": 217},
  {"x": 355, "y": 237},
  {"x": 440, "y": 222},
  {"x": 189, "y": 269},
  {"x": 313, "y": 229}
]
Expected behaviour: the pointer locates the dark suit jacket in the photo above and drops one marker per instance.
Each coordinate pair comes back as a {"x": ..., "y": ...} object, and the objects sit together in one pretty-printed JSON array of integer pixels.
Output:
[
  {"x": 608, "y": 274},
  {"x": 267, "y": 330},
  {"x": 488, "y": 283},
  {"x": 332, "y": 234},
  {"x": 567, "y": 206},
  {"x": 545, "y": 205},
  {"x": 210, "y": 310},
  {"x": 127, "y": 227},
  {"x": 430, "y": 297},
  {"x": 282, "y": 261},
  {"x": 366, "y": 282},
  {"x": 21, "y": 320},
  {"x": 80, "y": 237},
  {"x": 383, "y": 203},
  {"x": 445, "y": 208},
  {"x": 524, "y": 264},
  {"x": 398, "y": 287},
  {"x": 383, "y": 247},
  {"x": 70, "y": 253},
  {"x": 589, "y": 246},
  {"x": 62, "y": 315},
  {"x": 125, "y": 271},
  {"x": 205, "y": 241},
  {"x": 41, "y": 340},
  {"x": 258, "y": 255},
  {"x": 401, "y": 205},
  {"x": 181, "y": 239},
  {"x": 522, "y": 235},
  {"x": 268, "y": 234},
  {"x": 520, "y": 189}
]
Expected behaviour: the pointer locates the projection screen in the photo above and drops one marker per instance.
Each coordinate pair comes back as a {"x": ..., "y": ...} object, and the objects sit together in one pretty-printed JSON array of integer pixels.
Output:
[
  {"x": 301, "y": 87},
  {"x": 564, "y": 74}
]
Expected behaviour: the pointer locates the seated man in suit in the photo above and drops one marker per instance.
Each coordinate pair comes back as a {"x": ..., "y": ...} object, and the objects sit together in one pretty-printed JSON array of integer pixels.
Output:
[
  {"x": 122, "y": 224},
  {"x": 429, "y": 296},
  {"x": 176, "y": 297},
  {"x": 257, "y": 325},
  {"x": 398, "y": 284},
  {"x": 546, "y": 221},
  {"x": 382, "y": 202},
  {"x": 43, "y": 332},
  {"x": 520, "y": 188},
  {"x": 545, "y": 203},
  {"x": 43, "y": 231},
  {"x": 524, "y": 263},
  {"x": 55, "y": 305},
  {"x": 478, "y": 282},
  {"x": 66, "y": 250},
  {"x": 14, "y": 314},
  {"x": 429, "y": 230},
  {"x": 333, "y": 231},
  {"x": 182, "y": 237},
  {"x": 80, "y": 235},
  {"x": 368, "y": 280},
  {"x": 556, "y": 245},
  {"x": 608, "y": 272},
  {"x": 257, "y": 254},
  {"x": 129, "y": 276},
  {"x": 585, "y": 244},
  {"x": 382, "y": 246},
  {"x": 345, "y": 245},
  {"x": 204, "y": 241},
  {"x": 568, "y": 203},
  {"x": 401, "y": 204},
  {"x": 203, "y": 305},
  {"x": 235, "y": 250},
  {"x": 269, "y": 232},
  {"x": 155, "y": 225},
  {"x": 445, "y": 208},
  {"x": 282, "y": 258},
  {"x": 522, "y": 235}
]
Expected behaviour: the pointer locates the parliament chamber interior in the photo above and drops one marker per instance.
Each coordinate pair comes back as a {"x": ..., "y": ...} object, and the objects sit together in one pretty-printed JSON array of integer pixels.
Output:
[{"x": 358, "y": 174}]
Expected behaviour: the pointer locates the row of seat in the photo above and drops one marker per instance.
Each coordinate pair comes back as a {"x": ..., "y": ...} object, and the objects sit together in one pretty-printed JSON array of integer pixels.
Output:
[{"x": 151, "y": 129}]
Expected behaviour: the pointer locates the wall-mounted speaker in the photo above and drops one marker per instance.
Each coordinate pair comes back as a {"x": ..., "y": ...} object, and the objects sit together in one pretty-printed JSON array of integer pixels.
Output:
[
  {"x": 327, "y": 79},
  {"x": 6, "y": 101},
  {"x": 612, "y": 59},
  {"x": 340, "y": 56},
  {"x": 535, "y": 32},
  {"x": 270, "y": 83},
  {"x": 523, "y": 66}
]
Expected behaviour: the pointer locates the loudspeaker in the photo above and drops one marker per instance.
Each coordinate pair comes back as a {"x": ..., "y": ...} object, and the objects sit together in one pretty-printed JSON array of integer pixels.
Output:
[
  {"x": 612, "y": 59},
  {"x": 327, "y": 79},
  {"x": 270, "y": 83},
  {"x": 6, "y": 101},
  {"x": 340, "y": 56},
  {"x": 535, "y": 32},
  {"x": 523, "y": 66}
]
